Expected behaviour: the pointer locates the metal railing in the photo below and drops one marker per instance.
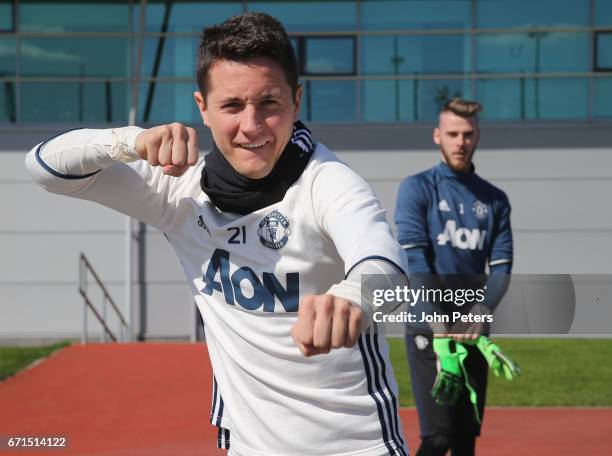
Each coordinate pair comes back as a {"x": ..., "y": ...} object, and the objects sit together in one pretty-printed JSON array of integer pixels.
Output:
[{"x": 84, "y": 268}]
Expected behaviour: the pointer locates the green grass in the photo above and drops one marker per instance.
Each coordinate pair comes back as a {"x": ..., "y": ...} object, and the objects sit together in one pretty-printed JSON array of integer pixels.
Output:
[
  {"x": 556, "y": 372},
  {"x": 13, "y": 359}
]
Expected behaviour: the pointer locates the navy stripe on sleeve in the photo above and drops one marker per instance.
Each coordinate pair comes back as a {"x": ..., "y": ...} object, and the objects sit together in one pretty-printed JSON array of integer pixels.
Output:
[
  {"x": 375, "y": 257},
  {"x": 50, "y": 170}
]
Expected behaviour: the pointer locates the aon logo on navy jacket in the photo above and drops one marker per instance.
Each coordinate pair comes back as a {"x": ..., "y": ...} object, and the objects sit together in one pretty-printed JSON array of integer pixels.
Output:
[{"x": 462, "y": 238}]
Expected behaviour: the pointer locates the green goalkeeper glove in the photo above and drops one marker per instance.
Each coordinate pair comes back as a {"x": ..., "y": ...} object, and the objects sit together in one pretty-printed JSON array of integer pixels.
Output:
[
  {"x": 449, "y": 380},
  {"x": 499, "y": 362}
]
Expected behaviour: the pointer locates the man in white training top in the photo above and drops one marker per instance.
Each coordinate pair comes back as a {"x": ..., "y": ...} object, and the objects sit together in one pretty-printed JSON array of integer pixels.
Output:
[{"x": 273, "y": 233}]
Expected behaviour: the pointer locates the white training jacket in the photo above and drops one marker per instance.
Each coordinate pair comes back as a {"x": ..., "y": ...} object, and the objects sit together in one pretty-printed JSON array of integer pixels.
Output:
[{"x": 248, "y": 274}]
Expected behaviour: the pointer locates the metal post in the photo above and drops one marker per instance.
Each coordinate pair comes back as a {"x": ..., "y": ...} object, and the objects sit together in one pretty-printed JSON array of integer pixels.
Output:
[
  {"x": 104, "y": 319},
  {"x": 522, "y": 85},
  {"x": 538, "y": 37},
  {"x": 396, "y": 60},
  {"x": 84, "y": 335},
  {"x": 136, "y": 71},
  {"x": 18, "y": 87},
  {"x": 128, "y": 276},
  {"x": 142, "y": 282},
  {"x": 81, "y": 94},
  {"x": 128, "y": 220},
  {"x": 157, "y": 62},
  {"x": 592, "y": 62},
  {"x": 415, "y": 95},
  {"x": 193, "y": 322},
  {"x": 83, "y": 287}
]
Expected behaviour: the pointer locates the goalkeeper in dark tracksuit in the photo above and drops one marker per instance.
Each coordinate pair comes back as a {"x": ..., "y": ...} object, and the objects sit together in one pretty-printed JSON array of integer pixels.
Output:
[{"x": 451, "y": 221}]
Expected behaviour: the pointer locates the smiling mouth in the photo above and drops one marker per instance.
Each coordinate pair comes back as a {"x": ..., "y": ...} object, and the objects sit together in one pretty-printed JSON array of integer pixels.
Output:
[{"x": 251, "y": 146}]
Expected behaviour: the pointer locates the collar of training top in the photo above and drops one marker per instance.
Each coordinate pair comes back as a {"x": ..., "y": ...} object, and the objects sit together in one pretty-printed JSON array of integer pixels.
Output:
[
  {"x": 232, "y": 192},
  {"x": 446, "y": 171}
]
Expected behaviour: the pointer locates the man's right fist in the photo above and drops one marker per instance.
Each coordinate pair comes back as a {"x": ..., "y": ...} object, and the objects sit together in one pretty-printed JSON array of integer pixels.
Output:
[{"x": 174, "y": 147}]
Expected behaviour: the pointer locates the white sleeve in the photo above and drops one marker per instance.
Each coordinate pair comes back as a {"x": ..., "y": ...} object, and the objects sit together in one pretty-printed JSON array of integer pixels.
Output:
[
  {"x": 90, "y": 164},
  {"x": 84, "y": 151},
  {"x": 347, "y": 210},
  {"x": 379, "y": 275}
]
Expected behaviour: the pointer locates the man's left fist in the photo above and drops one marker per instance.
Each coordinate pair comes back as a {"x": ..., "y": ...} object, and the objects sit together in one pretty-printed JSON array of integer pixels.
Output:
[{"x": 325, "y": 322}]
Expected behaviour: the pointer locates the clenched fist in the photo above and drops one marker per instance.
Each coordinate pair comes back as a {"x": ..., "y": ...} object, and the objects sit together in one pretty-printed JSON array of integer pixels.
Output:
[
  {"x": 174, "y": 147},
  {"x": 325, "y": 322}
]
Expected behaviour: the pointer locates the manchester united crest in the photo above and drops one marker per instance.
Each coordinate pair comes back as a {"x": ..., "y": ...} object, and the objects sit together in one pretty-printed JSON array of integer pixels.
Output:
[
  {"x": 480, "y": 209},
  {"x": 274, "y": 230}
]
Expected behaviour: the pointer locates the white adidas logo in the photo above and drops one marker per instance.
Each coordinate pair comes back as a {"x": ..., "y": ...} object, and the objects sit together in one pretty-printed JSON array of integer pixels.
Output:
[{"x": 443, "y": 206}]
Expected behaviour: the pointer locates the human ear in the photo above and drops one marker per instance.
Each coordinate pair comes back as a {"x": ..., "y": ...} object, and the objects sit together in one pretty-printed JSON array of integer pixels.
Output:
[
  {"x": 200, "y": 101},
  {"x": 436, "y": 136},
  {"x": 297, "y": 102}
]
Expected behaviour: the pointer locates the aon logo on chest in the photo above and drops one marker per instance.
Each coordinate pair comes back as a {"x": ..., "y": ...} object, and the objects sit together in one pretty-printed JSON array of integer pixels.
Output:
[
  {"x": 462, "y": 238},
  {"x": 244, "y": 288}
]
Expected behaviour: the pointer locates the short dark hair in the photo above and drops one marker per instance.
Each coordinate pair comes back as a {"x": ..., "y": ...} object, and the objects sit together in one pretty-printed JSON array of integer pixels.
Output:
[
  {"x": 242, "y": 38},
  {"x": 462, "y": 108}
]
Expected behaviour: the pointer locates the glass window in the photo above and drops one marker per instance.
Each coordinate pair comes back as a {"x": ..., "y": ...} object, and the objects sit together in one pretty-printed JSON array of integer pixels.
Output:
[
  {"x": 85, "y": 102},
  {"x": 311, "y": 16},
  {"x": 329, "y": 55},
  {"x": 166, "y": 102},
  {"x": 603, "y": 12},
  {"x": 36, "y": 16},
  {"x": 6, "y": 15},
  {"x": 415, "y": 14},
  {"x": 7, "y": 88},
  {"x": 185, "y": 16},
  {"x": 603, "y": 57},
  {"x": 563, "y": 98},
  {"x": 529, "y": 98},
  {"x": 409, "y": 54},
  {"x": 329, "y": 101},
  {"x": 389, "y": 101},
  {"x": 413, "y": 100},
  {"x": 177, "y": 56},
  {"x": 532, "y": 52},
  {"x": 602, "y": 100},
  {"x": 8, "y": 48},
  {"x": 75, "y": 57},
  {"x": 504, "y": 99},
  {"x": 7, "y": 102},
  {"x": 529, "y": 13}
]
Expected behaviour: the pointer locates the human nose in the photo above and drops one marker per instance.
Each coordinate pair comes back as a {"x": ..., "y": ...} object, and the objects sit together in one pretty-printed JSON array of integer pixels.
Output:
[{"x": 251, "y": 120}]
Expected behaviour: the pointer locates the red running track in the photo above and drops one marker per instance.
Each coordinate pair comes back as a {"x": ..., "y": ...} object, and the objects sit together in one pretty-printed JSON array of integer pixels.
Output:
[{"x": 153, "y": 399}]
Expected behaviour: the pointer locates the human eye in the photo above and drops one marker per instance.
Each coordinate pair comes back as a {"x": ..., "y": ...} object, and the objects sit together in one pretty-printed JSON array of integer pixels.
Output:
[
  {"x": 231, "y": 105},
  {"x": 270, "y": 102}
]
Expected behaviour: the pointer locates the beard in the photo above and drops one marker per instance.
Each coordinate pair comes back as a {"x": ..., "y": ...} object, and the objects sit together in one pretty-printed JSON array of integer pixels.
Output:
[{"x": 459, "y": 161}]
